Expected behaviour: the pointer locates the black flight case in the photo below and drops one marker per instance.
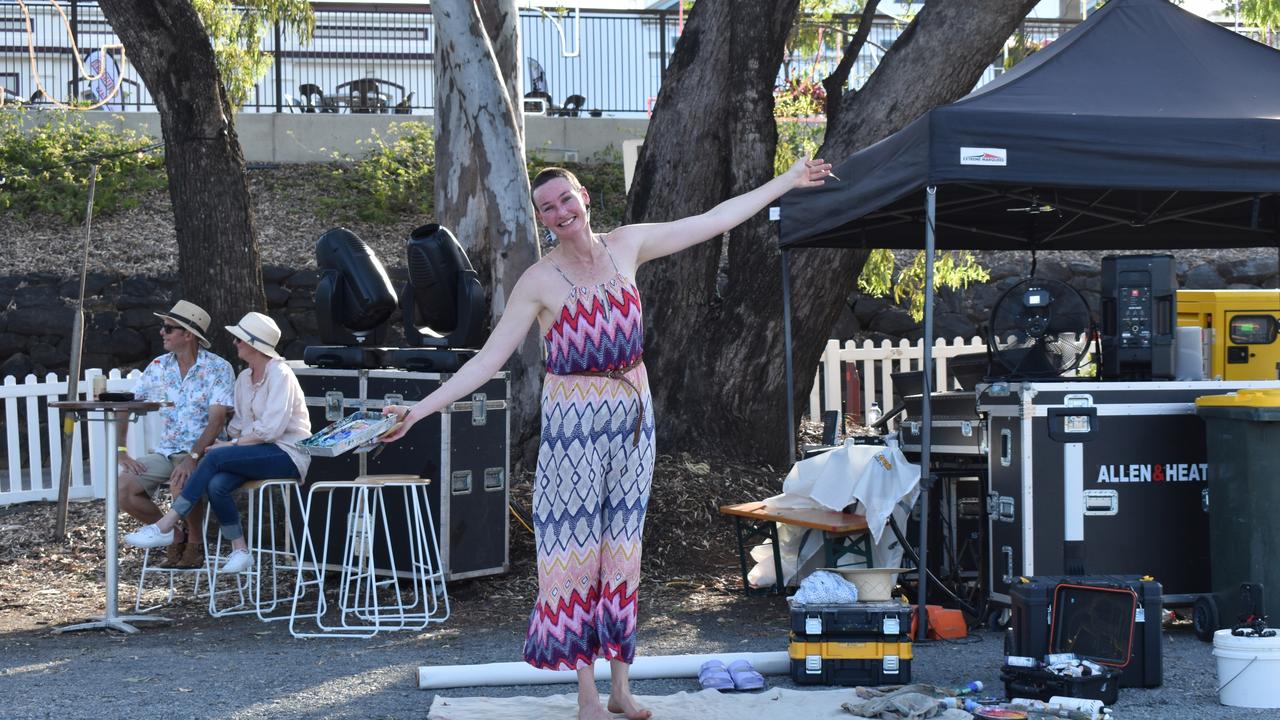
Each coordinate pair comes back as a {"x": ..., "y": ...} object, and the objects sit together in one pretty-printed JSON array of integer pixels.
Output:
[
  {"x": 464, "y": 450},
  {"x": 1132, "y": 488}
]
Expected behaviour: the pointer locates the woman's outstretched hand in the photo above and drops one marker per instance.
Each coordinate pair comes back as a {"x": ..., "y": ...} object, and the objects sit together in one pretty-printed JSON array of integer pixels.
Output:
[
  {"x": 810, "y": 173},
  {"x": 404, "y": 421}
]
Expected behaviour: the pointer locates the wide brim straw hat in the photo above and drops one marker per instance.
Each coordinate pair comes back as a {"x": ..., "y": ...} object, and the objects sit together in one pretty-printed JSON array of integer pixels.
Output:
[
  {"x": 259, "y": 332},
  {"x": 190, "y": 317}
]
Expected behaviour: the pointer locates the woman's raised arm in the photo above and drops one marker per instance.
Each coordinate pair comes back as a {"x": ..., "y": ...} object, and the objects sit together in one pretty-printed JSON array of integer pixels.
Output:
[{"x": 655, "y": 240}]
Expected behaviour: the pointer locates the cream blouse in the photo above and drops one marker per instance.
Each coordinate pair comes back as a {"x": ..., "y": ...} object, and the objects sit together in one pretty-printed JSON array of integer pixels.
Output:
[{"x": 273, "y": 410}]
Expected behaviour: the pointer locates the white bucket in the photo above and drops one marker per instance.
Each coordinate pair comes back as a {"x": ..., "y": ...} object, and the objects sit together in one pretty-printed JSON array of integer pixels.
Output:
[{"x": 1248, "y": 670}]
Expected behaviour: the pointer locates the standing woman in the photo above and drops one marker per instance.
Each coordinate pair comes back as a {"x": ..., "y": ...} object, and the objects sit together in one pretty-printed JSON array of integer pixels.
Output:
[
  {"x": 270, "y": 418},
  {"x": 595, "y": 462}
]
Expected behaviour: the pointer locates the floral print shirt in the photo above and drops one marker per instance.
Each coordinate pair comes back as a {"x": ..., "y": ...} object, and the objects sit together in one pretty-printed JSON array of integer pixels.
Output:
[{"x": 208, "y": 382}]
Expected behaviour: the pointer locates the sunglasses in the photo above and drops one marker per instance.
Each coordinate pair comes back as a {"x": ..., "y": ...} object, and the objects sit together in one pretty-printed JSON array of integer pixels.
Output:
[{"x": 166, "y": 328}]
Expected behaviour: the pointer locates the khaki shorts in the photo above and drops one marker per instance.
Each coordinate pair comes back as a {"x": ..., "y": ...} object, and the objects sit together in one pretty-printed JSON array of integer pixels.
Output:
[{"x": 158, "y": 469}]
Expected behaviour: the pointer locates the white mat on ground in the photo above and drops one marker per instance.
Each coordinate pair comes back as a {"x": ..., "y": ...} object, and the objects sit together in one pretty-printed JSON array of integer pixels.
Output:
[{"x": 703, "y": 705}]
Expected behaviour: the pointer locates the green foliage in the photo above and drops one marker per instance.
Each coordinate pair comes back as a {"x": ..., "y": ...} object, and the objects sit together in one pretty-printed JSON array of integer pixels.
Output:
[
  {"x": 1264, "y": 14},
  {"x": 797, "y": 138},
  {"x": 40, "y": 160},
  {"x": 1019, "y": 48},
  {"x": 798, "y": 105},
  {"x": 954, "y": 269},
  {"x": 237, "y": 30},
  {"x": 395, "y": 176}
]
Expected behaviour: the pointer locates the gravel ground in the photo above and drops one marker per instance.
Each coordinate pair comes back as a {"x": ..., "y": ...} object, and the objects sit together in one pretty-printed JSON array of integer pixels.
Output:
[{"x": 240, "y": 668}]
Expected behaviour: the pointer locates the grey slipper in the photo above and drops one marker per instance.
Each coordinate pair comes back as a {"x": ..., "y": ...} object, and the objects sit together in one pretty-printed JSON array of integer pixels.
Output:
[{"x": 744, "y": 676}]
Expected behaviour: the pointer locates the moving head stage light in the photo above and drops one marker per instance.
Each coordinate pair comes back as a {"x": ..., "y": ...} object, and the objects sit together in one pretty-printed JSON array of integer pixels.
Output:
[
  {"x": 442, "y": 304},
  {"x": 354, "y": 301}
]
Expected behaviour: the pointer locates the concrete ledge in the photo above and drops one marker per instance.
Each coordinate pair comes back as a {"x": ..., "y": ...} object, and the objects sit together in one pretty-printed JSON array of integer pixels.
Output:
[{"x": 315, "y": 137}]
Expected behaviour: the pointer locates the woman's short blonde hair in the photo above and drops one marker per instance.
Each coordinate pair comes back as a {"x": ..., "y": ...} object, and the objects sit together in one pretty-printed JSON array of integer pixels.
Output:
[{"x": 546, "y": 175}]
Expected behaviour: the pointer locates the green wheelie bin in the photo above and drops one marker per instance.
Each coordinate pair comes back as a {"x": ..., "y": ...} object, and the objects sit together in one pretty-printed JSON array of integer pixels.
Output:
[{"x": 1242, "y": 437}]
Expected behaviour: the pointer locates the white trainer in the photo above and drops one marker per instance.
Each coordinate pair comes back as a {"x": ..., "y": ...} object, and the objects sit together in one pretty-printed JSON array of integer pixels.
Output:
[
  {"x": 237, "y": 562},
  {"x": 149, "y": 536}
]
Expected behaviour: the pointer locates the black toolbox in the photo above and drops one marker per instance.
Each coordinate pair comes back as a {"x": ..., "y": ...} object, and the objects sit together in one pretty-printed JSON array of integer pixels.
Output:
[
  {"x": 822, "y": 660},
  {"x": 1059, "y": 614},
  {"x": 856, "y": 621},
  {"x": 1040, "y": 684}
]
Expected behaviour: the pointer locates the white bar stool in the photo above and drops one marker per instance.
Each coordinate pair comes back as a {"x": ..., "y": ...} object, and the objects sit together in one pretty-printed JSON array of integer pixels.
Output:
[
  {"x": 371, "y": 596},
  {"x": 172, "y": 575},
  {"x": 261, "y": 589}
]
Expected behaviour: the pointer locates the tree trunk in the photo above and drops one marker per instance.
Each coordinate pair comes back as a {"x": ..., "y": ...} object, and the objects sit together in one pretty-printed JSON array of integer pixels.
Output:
[
  {"x": 715, "y": 343},
  {"x": 708, "y": 347},
  {"x": 482, "y": 184},
  {"x": 218, "y": 258}
]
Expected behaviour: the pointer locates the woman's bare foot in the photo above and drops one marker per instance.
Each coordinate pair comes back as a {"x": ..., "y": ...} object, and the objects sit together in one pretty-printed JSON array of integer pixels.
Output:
[
  {"x": 626, "y": 705},
  {"x": 593, "y": 711}
]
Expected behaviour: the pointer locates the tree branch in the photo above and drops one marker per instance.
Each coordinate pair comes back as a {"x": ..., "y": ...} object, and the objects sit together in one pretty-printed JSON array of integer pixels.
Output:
[{"x": 835, "y": 82}]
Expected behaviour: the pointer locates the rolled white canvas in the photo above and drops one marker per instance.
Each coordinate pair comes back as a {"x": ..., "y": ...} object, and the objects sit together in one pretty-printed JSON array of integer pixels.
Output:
[{"x": 644, "y": 668}]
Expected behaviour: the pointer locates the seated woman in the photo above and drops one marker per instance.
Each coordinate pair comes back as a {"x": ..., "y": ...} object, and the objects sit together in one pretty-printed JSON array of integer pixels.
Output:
[{"x": 270, "y": 418}]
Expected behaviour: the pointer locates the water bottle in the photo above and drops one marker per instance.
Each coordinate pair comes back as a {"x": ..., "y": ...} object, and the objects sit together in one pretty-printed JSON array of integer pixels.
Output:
[
  {"x": 969, "y": 688},
  {"x": 873, "y": 413}
]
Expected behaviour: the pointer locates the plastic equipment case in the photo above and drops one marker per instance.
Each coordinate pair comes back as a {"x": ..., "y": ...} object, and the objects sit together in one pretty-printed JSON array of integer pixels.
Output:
[
  {"x": 1131, "y": 489},
  {"x": 464, "y": 451},
  {"x": 822, "y": 660},
  {"x": 1111, "y": 620},
  {"x": 858, "y": 621},
  {"x": 1039, "y": 684},
  {"x": 863, "y": 643}
]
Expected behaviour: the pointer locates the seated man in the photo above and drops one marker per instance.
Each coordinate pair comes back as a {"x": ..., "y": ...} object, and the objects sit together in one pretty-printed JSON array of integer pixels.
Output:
[{"x": 199, "y": 384}]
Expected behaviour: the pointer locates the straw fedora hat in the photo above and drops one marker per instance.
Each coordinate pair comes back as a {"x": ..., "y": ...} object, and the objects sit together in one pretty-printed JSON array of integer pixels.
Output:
[
  {"x": 258, "y": 331},
  {"x": 191, "y": 317}
]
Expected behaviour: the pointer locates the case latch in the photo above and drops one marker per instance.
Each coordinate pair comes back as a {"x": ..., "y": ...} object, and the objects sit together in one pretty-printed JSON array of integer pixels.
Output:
[{"x": 334, "y": 409}]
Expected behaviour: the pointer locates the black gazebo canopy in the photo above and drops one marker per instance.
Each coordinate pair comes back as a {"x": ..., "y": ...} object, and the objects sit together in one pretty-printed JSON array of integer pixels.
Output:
[{"x": 1144, "y": 127}]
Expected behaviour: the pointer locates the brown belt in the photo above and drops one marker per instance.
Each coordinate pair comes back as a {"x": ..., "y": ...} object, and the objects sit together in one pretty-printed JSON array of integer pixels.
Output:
[{"x": 621, "y": 374}]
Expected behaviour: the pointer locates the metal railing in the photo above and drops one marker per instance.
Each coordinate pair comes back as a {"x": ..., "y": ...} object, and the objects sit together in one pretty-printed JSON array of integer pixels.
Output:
[{"x": 380, "y": 60}]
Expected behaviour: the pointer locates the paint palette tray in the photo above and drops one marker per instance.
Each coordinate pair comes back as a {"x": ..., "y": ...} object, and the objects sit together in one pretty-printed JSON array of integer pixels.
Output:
[{"x": 357, "y": 430}]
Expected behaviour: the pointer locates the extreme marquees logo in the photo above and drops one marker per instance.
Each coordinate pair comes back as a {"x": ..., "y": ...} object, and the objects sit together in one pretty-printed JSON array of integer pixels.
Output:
[
  {"x": 1172, "y": 472},
  {"x": 996, "y": 157}
]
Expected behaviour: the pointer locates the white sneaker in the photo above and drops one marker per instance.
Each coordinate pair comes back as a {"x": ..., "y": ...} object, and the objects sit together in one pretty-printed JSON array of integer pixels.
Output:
[
  {"x": 237, "y": 562},
  {"x": 149, "y": 536}
]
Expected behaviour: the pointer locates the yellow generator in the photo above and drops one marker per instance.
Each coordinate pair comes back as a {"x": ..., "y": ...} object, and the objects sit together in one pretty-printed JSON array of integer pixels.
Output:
[{"x": 1239, "y": 329}]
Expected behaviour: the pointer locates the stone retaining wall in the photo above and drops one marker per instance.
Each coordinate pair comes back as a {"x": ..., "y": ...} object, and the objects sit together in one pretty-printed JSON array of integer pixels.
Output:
[{"x": 121, "y": 328}]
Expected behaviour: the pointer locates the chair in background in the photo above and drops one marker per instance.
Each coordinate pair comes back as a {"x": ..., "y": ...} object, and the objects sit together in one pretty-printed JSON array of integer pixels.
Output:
[
  {"x": 312, "y": 97},
  {"x": 405, "y": 106},
  {"x": 368, "y": 95},
  {"x": 572, "y": 106},
  {"x": 538, "y": 89}
]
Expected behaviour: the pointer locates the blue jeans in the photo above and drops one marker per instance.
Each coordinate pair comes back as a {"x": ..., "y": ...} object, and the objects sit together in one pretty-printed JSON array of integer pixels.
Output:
[{"x": 222, "y": 471}]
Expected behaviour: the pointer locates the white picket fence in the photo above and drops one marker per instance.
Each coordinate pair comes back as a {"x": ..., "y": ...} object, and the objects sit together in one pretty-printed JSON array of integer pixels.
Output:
[
  {"x": 874, "y": 363},
  {"x": 34, "y": 454}
]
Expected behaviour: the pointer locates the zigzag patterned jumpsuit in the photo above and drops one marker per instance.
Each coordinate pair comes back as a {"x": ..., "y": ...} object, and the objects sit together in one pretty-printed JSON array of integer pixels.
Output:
[{"x": 595, "y": 467}]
